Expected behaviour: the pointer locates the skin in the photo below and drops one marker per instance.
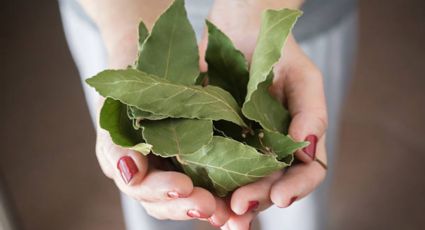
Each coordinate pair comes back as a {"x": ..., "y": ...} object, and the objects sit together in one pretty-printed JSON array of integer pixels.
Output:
[{"x": 298, "y": 84}]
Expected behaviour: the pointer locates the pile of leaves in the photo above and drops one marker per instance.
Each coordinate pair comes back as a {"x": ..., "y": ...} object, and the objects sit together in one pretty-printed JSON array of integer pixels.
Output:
[{"x": 225, "y": 134}]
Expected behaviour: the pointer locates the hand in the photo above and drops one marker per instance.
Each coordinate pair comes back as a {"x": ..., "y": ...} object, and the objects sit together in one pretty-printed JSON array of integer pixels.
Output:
[
  {"x": 164, "y": 194},
  {"x": 299, "y": 85}
]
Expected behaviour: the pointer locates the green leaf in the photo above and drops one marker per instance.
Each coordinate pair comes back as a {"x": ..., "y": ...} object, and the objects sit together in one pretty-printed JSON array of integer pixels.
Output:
[
  {"x": 137, "y": 116},
  {"x": 280, "y": 145},
  {"x": 201, "y": 79},
  {"x": 143, "y": 34},
  {"x": 199, "y": 176},
  {"x": 174, "y": 137},
  {"x": 143, "y": 148},
  {"x": 171, "y": 50},
  {"x": 227, "y": 66},
  {"x": 276, "y": 25},
  {"x": 136, "y": 113},
  {"x": 266, "y": 110},
  {"x": 113, "y": 118},
  {"x": 159, "y": 96},
  {"x": 230, "y": 164},
  {"x": 229, "y": 130}
]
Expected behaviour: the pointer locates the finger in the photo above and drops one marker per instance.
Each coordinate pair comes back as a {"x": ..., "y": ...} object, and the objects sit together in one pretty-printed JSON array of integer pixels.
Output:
[
  {"x": 303, "y": 92},
  {"x": 299, "y": 180},
  {"x": 201, "y": 204},
  {"x": 159, "y": 186},
  {"x": 128, "y": 169},
  {"x": 120, "y": 163},
  {"x": 254, "y": 196},
  {"x": 240, "y": 222},
  {"x": 225, "y": 227},
  {"x": 221, "y": 213},
  {"x": 306, "y": 103}
]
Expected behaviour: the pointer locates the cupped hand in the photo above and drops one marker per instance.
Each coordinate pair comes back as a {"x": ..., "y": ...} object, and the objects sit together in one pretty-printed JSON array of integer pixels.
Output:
[
  {"x": 298, "y": 84},
  {"x": 164, "y": 194}
]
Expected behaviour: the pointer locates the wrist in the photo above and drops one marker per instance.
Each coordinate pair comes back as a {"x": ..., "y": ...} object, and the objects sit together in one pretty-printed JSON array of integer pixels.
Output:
[{"x": 121, "y": 48}]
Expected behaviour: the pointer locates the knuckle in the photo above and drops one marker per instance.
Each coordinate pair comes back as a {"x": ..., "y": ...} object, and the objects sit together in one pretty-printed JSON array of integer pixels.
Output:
[{"x": 322, "y": 121}]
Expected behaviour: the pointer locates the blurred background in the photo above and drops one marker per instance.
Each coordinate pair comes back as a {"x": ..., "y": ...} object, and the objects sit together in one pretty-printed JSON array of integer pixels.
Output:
[{"x": 49, "y": 172}]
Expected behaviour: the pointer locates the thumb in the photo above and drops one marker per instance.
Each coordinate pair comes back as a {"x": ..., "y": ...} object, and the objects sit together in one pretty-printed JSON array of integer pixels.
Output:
[
  {"x": 306, "y": 102},
  {"x": 120, "y": 163}
]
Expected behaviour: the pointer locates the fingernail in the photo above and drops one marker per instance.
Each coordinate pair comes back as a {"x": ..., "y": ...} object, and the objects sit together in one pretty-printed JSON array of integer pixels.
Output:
[
  {"x": 310, "y": 150},
  {"x": 252, "y": 205},
  {"x": 213, "y": 223},
  {"x": 292, "y": 200},
  {"x": 127, "y": 168},
  {"x": 174, "y": 195},
  {"x": 196, "y": 214}
]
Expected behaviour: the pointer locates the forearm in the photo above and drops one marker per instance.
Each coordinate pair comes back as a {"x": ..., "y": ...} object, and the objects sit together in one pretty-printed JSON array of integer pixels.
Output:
[{"x": 118, "y": 21}]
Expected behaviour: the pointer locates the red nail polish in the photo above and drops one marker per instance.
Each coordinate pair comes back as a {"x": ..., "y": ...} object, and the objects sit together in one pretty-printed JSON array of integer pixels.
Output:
[
  {"x": 127, "y": 168},
  {"x": 252, "y": 205},
  {"x": 310, "y": 150},
  {"x": 292, "y": 200}
]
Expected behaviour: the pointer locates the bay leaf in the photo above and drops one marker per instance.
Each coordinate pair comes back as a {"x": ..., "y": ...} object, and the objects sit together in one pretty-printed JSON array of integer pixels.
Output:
[
  {"x": 280, "y": 145},
  {"x": 266, "y": 110},
  {"x": 143, "y": 34},
  {"x": 230, "y": 164},
  {"x": 228, "y": 129},
  {"x": 199, "y": 176},
  {"x": 171, "y": 50},
  {"x": 201, "y": 79},
  {"x": 113, "y": 118},
  {"x": 136, "y": 113},
  {"x": 159, "y": 96},
  {"x": 276, "y": 26},
  {"x": 133, "y": 113},
  {"x": 175, "y": 137},
  {"x": 227, "y": 66}
]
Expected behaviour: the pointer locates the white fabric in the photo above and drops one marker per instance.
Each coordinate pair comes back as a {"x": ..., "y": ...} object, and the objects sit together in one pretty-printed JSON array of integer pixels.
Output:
[{"x": 331, "y": 51}]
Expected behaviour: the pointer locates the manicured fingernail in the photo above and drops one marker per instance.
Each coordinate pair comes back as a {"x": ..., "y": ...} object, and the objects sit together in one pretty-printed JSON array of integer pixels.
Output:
[
  {"x": 213, "y": 223},
  {"x": 127, "y": 168},
  {"x": 174, "y": 195},
  {"x": 310, "y": 150},
  {"x": 196, "y": 214},
  {"x": 252, "y": 205},
  {"x": 292, "y": 200}
]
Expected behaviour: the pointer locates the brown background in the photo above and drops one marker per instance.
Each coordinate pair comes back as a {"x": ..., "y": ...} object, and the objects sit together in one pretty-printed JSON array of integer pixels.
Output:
[{"x": 49, "y": 167}]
